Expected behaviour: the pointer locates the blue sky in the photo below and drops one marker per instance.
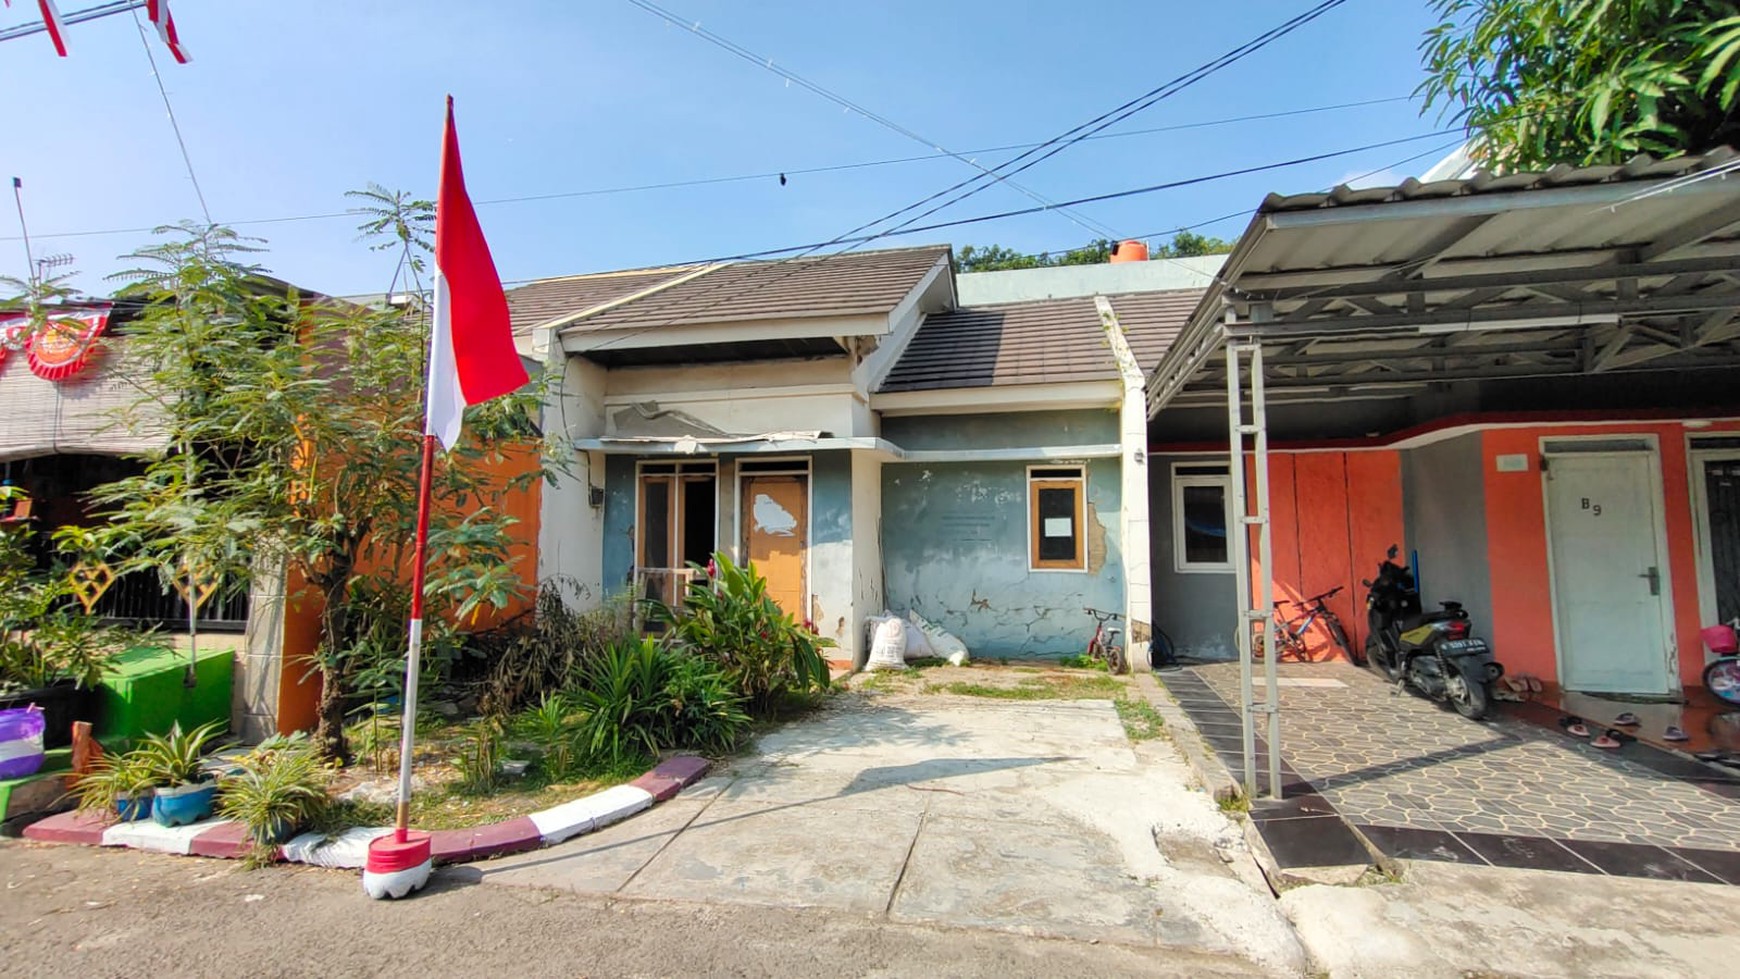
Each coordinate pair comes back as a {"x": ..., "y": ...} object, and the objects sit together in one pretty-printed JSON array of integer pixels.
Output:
[{"x": 287, "y": 105}]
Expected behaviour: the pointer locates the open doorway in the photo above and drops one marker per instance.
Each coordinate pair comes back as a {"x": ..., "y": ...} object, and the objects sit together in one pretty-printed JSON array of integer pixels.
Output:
[{"x": 678, "y": 525}]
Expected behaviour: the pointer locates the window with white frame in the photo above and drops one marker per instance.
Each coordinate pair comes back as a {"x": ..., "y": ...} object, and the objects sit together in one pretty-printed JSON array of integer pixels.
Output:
[
  {"x": 1056, "y": 501},
  {"x": 1201, "y": 513}
]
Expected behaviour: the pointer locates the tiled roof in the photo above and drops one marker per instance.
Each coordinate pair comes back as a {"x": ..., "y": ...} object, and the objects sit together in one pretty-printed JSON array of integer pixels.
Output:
[
  {"x": 1056, "y": 340},
  {"x": 1151, "y": 321},
  {"x": 855, "y": 283},
  {"x": 547, "y": 299}
]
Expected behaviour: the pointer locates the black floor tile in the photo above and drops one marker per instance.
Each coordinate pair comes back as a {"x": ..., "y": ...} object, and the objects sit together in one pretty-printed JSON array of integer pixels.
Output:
[
  {"x": 1723, "y": 864},
  {"x": 1638, "y": 860},
  {"x": 1409, "y": 843},
  {"x": 1313, "y": 841},
  {"x": 1299, "y": 800},
  {"x": 1525, "y": 852}
]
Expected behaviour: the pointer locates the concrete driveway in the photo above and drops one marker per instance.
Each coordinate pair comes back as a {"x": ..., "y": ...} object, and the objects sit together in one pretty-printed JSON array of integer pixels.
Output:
[{"x": 1035, "y": 817}]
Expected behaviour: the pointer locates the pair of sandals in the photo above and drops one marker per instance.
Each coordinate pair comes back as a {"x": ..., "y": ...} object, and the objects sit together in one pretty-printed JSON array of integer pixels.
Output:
[
  {"x": 1518, "y": 688},
  {"x": 1612, "y": 738}
]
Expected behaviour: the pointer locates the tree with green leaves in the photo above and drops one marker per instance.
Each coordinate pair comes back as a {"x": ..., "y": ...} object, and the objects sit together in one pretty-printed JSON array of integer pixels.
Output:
[
  {"x": 1542, "y": 82},
  {"x": 293, "y": 432},
  {"x": 997, "y": 258}
]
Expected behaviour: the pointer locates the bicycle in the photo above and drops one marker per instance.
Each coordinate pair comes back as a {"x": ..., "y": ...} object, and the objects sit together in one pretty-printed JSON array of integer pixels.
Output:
[
  {"x": 1290, "y": 633},
  {"x": 1104, "y": 646}
]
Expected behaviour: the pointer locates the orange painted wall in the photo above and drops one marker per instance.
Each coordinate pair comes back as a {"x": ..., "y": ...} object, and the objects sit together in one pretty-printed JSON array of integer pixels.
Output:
[
  {"x": 298, "y": 700},
  {"x": 1516, "y": 533},
  {"x": 1332, "y": 515}
]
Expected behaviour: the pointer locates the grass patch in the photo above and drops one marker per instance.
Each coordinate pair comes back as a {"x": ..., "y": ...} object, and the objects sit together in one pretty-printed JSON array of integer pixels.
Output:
[
  {"x": 1233, "y": 804},
  {"x": 446, "y": 807},
  {"x": 1141, "y": 721},
  {"x": 1082, "y": 661},
  {"x": 1043, "y": 686}
]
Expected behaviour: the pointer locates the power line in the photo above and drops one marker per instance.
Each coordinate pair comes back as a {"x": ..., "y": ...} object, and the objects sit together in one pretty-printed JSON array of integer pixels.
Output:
[
  {"x": 170, "y": 109},
  {"x": 769, "y": 174},
  {"x": 1105, "y": 120},
  {"x": 1060, "y": 142},
  {"x": 1246, "y": 212},
  {"x": 849, "y": 105}
]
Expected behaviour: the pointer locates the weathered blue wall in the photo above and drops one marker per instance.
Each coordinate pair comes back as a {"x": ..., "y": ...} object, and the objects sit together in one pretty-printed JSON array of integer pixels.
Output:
[
  {"x": 1005, "y": 430},
  {"x": 619, "y": 520},
  {"x": 954, "y": 548}
]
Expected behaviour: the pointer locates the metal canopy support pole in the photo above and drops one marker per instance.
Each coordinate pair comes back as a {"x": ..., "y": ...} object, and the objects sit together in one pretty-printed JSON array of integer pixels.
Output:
[
  {"x": 1251, "y": 513},
  {"x": 1265, "y": 553}
]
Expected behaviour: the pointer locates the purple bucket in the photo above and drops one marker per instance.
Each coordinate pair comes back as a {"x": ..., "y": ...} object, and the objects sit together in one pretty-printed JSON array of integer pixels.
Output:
[{"x": 21, "y": 741}]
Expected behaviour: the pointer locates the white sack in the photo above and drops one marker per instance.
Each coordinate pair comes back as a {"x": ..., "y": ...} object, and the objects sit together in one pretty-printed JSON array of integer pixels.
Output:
[
  {"x": 941, "y": 642},
  {"x": 888, "y": 646}
]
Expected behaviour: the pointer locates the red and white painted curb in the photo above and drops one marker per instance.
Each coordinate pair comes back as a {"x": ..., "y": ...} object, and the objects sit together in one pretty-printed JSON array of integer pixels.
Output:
[{"x": 349, "y": 849}]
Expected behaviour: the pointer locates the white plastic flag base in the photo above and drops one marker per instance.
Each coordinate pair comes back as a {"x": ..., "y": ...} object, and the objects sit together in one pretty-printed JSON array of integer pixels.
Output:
[{"x": 397, "y": 884}]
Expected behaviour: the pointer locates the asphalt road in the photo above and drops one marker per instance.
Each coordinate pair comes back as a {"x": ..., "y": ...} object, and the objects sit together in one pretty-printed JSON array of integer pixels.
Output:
[{"x": 91, "y": 913}]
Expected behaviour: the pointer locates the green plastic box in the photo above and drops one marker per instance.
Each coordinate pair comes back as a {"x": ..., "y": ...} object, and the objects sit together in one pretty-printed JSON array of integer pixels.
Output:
[{"x": 146, "y": 694}]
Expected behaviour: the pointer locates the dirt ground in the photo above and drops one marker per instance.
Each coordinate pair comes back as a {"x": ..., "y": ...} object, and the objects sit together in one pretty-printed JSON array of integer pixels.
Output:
[{"x": 95, "y": 913}]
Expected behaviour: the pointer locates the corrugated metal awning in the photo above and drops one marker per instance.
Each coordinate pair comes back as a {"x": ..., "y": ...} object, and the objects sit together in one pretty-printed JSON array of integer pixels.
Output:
[{"x": 1572, "y": 271}]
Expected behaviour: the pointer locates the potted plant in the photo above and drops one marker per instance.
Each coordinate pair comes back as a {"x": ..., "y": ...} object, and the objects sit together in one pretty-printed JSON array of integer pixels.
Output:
[
  {"x": 185, "y": 791},
  {"x": 279, "y": 788},
  {"x": 120, "y": 783},
  {"x": 51, "y": 654}
]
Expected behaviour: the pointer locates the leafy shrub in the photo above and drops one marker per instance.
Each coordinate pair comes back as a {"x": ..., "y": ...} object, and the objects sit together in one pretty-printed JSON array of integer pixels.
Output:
[
  {"x": 552, "y": 728},
  {"x": 43, "y": 638},
  {"x": 112, "y": 779},
  {"x": 620, "y": 695},
  {"x": 280, "y": 788},
  {"x": 729, "y": 618},
  {"x": 706, "y": 711},
  {"x": 531, "y": 660},
  {"x": 479, "y": 761}
]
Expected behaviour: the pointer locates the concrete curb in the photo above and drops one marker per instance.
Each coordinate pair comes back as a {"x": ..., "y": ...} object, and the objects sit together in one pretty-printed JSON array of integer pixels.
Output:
[
  {"x": 227, "y": 839},
  {"x": 1217, "y": 779}
]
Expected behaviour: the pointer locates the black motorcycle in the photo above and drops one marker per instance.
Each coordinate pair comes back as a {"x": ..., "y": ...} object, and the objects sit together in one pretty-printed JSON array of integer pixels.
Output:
[{"x": 1432, "y": 652}]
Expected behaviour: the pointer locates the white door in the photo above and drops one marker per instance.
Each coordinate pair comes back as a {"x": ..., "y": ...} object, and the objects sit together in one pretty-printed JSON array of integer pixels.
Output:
[{"x": 1609, "y": 581}]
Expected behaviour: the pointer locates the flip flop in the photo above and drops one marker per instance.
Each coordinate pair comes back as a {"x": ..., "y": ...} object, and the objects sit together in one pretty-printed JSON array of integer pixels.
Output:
[
  {"x": 1673, "y": 733},
  {"x": 1534, "y": 684},
  {"x": 1606, "y": 740},
  {"x": 1626, "y": 719},
  {"x": 1577, "y": 729}
]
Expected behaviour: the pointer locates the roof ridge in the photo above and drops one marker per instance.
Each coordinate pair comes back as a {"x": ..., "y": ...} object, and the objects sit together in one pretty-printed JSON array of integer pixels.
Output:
[{"x": 653, "y": 289}]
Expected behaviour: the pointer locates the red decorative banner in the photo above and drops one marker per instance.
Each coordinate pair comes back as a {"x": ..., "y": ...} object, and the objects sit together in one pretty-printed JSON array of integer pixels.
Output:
[
  {"x": 14, "y": 332},
  {"x": 63, "y": 345}
]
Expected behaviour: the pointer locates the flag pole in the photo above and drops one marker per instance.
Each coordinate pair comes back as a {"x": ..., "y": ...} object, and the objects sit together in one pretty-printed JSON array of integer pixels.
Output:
[{"x": 414, "y": 655}]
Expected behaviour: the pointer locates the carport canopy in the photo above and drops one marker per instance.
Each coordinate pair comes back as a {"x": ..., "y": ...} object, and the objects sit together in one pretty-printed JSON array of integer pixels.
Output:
[
  {"x": 1390, "y": 291},
  {"x": 1574, "y": 271}
]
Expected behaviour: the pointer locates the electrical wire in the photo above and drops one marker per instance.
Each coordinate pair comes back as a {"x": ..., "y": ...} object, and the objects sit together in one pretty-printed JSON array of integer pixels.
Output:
[
  {"x": 764, "y": 175},
  {"x": 192, "y": 177},
  {"x": 851, "y": 106},
  {"x": 1057, "y": 144}
]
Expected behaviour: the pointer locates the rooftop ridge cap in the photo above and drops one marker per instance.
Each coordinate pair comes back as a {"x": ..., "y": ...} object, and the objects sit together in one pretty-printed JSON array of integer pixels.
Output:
[{"x": 657, "y": 287}]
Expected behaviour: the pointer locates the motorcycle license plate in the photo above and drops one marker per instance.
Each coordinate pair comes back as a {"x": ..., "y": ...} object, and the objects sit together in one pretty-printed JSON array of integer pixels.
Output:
[{"x": 1465, "y": 646}]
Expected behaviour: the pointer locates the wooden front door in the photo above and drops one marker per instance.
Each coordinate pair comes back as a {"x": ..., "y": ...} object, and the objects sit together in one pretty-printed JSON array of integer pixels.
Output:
[{"x": 776, "y": 530}]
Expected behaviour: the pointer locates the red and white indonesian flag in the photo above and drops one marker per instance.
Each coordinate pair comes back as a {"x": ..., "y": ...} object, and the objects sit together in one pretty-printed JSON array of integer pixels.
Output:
[
  {"x": 51, "y": 20},
  {"x": 164, "y": 21},
  {"x": 471, "y": 347}
]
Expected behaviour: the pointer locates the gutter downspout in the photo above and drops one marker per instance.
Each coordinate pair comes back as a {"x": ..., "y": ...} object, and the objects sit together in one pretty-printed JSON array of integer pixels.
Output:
[{"x": 1133, "y": 470}]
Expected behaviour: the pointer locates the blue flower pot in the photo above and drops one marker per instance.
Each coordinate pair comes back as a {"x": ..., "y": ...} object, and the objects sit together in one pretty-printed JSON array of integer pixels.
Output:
[
  {"x": 189, "y": 802},
  {"x": 134, "y": 808}
]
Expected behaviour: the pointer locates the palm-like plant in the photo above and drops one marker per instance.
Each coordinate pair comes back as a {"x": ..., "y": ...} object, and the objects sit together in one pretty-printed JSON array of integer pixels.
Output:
[
  {"x": 176, "y": 758},
  {"x": 281, "y": 786}
]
